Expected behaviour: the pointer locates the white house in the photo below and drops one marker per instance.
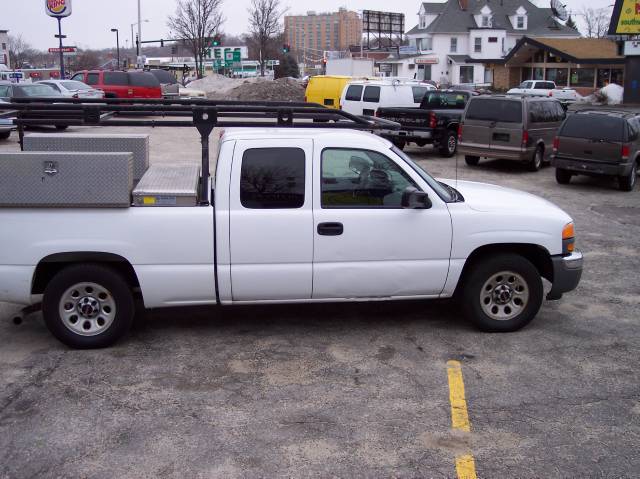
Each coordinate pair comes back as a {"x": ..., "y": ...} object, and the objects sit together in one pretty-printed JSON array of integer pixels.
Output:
[
  {"x": 4, "y": 48},
  {"x": 454, "y": 38}
]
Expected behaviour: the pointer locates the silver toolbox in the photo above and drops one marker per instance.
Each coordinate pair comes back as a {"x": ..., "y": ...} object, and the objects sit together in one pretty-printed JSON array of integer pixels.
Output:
[
  {"x": 168, "y": 185},
  {"x": 72, "y": 180},
  {"x": 138, "y": 144}
]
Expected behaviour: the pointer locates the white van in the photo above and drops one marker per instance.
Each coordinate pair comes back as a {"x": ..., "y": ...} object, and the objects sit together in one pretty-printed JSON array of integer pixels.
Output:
[{"x": 364, "y": 97}]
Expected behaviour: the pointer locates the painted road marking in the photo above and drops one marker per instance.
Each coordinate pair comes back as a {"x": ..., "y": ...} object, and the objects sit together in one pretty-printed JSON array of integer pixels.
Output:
[{"x": 465, "y": 464}]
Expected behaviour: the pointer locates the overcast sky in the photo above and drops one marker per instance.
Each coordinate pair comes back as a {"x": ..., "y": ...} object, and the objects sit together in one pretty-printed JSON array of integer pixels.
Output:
[{"x": 92, "y": 20}]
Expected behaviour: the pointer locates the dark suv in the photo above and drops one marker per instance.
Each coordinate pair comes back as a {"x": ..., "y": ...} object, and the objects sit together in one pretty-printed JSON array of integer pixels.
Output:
[
  {"x": 118, "y": 84},
  {"x": 598, "y": 143}
]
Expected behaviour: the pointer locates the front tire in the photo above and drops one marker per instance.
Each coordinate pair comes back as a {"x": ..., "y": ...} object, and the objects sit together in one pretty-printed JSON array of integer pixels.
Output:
[
  {"x": 627, "y": 183},
  {"x": 400, "y": 144},
  {"x": 502, "y": 293},
  {"x": 449, "y": 144},
  {"x": 88, "y": 306}
]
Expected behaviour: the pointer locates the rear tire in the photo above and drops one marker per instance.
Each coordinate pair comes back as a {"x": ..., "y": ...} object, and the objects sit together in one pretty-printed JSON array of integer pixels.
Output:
[
  {"x": 627, "y": 183},
  {"x": 471, "y": 160},
  {"x": 563, "y": 176},
  {"x": 502, "y": 293},
  {"x": 61, "y": 127},
  {"x": 449, "y": 144},
  {"x": 88, "y": 306},
  {"x": 536, "y": 162},
  {"x": 4, "y": 135}
]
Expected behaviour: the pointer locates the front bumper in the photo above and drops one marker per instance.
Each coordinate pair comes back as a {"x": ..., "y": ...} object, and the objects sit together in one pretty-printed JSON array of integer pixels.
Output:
[
  {"x": 567, "y": 271},
  {"x": 591, "y": 167}
]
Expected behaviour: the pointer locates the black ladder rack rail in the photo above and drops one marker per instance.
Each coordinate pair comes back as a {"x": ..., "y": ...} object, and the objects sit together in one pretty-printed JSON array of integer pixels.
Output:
[{"x": 204, "y": 115}]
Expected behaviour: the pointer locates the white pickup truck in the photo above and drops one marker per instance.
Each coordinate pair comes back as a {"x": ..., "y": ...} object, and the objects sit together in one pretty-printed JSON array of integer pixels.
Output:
[
  {"x": 294, "y": 215},
  {"x": 544, "y": 88}
]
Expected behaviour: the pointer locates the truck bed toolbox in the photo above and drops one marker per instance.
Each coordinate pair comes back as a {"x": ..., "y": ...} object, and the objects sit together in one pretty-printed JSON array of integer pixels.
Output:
[
  {"x": 66, "y": 179},
  {"x": 137, "y": 144},
  {"x": 168, "y": 185}
]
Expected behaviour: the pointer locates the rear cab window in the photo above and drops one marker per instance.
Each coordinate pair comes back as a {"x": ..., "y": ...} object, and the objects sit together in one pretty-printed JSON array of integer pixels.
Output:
[
  {"x": 418, "y": 93},
  {"x": 272, "y": 178},
  {"x": 496, "y": 110},
  {"x": 444, "y": 100},
  {"x": 594, "y": 127}
]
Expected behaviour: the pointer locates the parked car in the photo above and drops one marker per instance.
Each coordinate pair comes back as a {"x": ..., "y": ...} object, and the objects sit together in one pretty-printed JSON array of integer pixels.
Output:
[
  {"x": 6, "y": 125},
  {"x": 434, "y": 122},
  {"x": 510, "y": 127},
  {"x": 326, "y": 90},
  {"x": 364, "y": 97},
  {"x": 342, "y": 215},
  {"x": 30, "y": 90},
  {"x": 74, "y": 89},
  {"x": 598, "y": 143},
  {"x": 168, "y": 83},
  {"x": 118, "y": 84},
  {"x": 533, "y": 88}
]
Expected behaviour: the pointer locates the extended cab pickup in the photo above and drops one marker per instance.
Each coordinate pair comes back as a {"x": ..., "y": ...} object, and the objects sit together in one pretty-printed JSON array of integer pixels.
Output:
[
  {"x": 293, "y": 215},
  {"x": 544, "y": 88},
  {"x": 435, "y": 122}
]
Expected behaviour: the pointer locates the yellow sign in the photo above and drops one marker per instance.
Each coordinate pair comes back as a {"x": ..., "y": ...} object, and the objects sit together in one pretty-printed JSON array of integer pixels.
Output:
[{"x": 627, "y": 22}]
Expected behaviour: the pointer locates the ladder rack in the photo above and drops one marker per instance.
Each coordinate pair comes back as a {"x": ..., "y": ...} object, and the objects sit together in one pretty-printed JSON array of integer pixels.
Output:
[{"x": 204, "y": 115}]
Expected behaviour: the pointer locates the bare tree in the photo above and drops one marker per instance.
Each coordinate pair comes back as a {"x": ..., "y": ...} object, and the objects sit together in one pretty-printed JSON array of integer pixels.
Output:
[
  {"x": 197, "y": 22},
  {"x": 20, "y": 51},
  {"x": 264, "y": 26},
  {"x": 596, "y": 21}
]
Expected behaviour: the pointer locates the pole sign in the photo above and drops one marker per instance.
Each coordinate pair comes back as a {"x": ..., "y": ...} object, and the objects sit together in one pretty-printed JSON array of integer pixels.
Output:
[
  {"x": 63, "y": 49},
  {"x": 626, "y": 18},
  {"x": 58, "y": 8}
]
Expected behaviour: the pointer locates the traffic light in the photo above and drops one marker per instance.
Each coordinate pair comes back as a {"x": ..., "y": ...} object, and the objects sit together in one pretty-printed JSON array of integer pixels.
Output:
[
  {"x": 174, "y": 49},
  {"x": 162, "y": 43},
  {"x": 286, "y": 48},
  {"x": 216, "y": 41}
]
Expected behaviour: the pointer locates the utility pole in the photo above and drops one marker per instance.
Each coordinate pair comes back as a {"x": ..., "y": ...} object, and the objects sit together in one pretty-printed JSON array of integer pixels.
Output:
[
  {"x": 60, "y": 36},
  {"x": 139, "y": 32},
  {"x": 117, "y": 44}
]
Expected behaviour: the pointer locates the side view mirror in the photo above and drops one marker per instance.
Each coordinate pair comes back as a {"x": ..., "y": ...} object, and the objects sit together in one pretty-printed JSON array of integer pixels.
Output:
[{"x": 412, "y": 198}]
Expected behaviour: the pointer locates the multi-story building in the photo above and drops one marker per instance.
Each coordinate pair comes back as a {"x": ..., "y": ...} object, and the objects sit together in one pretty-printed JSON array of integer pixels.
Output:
[
  {"x": 318, "y": 32},
  {"x": 454, "y": 40},
  {"x": 4, "y": 48}
]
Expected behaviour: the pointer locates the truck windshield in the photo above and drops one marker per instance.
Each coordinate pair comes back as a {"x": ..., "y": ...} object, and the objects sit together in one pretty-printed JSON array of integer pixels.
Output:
[{"x": 440, "y": 190}]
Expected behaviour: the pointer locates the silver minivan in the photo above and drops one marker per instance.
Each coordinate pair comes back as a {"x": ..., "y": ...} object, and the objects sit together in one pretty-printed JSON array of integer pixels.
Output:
[{"x": 510, "y": 127}]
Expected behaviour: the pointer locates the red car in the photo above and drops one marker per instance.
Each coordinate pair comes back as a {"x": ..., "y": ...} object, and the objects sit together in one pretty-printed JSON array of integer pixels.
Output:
[{"x": 118, "y": 84}]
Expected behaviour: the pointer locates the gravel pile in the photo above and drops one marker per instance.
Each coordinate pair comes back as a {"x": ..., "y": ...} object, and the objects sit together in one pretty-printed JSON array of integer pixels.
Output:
[{"x": 283, "y": 89}]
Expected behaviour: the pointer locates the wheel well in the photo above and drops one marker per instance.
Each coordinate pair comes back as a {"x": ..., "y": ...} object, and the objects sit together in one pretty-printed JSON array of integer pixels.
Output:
[
  {"x": 538, "y": 256},
  {"x": 53, "y": 264}
]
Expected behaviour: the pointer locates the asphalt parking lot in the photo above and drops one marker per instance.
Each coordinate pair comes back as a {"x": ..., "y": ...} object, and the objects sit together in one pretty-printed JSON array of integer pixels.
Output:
[{"x": 347, "y": 390}]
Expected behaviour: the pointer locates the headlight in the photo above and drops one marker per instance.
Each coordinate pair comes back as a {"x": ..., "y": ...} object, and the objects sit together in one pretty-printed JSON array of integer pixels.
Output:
[{"x": 568, "y": 238}]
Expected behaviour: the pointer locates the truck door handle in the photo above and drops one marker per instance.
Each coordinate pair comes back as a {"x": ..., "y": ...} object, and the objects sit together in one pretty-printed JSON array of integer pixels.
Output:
[{"x": 330, "y": 229}]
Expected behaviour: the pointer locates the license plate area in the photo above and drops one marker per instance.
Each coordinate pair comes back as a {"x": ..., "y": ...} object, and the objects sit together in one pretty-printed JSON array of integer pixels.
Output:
[{"x": 501, "y": 137}]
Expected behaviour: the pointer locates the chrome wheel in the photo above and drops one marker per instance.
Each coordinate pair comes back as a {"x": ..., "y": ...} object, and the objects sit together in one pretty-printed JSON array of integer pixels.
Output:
[
  {"x": 504, "y": 296},
  {"x": 87, "y": 309}
]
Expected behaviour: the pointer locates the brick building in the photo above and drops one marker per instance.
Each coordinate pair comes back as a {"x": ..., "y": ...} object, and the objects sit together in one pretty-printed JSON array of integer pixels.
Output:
[{"x": 318, "y": 32}]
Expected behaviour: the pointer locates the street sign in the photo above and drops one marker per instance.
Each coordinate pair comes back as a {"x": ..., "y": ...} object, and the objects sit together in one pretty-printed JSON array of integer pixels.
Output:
[
  {"x": 63, "y": 49},
  {"x": 626, "y": 18},
  {"x": 386, "y": 67},
  {"x": 58, "y": 8}
]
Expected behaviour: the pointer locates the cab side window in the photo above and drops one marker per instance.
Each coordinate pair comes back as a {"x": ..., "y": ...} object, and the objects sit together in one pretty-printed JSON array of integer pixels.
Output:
[
  {"x": 93, "y": 79},
  {"x": 78, "y": 77},
  {"x": 361, "y": 179},
  {"x": 272, "y": 178}
]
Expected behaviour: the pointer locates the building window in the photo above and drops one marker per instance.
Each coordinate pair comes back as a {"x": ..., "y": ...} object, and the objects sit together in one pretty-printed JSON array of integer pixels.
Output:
[
  {"x": 520, "y": 23},
  {"x": 582, "y": 77},
  {"x": 425, "y": 44},
  {"x": 559, "y": 75},
  {"x": 454, "y": 45},
  {"x": 488, "y": 75},
  {"x": 423, "y": 21},
  {"x": 466, "y": 74},
  {"x": 477, "y": 44},
  {"x": 493, "y": 39},
  {"x": 4, "y": 46},
  {"x": 486, "y": 21}
]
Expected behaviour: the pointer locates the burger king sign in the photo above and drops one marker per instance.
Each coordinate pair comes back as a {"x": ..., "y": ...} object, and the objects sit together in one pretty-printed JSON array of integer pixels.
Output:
[{"x": 58, "y": 8}]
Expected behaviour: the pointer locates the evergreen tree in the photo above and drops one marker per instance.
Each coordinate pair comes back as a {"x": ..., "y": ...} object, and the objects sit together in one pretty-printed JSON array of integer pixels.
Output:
[
  {"x": 571, "y": 23},
  {"x": 288, "y": 67}
]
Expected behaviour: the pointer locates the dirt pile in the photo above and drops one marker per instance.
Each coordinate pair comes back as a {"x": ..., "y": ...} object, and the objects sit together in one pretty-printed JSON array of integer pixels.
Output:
[{"x": 283, "y": 89}]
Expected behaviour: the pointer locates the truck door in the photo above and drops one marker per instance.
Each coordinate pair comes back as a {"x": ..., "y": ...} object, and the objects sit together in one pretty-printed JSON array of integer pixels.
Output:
[
  {"x": 366, "y": 244},
  {"x": 271, "y": 220}
]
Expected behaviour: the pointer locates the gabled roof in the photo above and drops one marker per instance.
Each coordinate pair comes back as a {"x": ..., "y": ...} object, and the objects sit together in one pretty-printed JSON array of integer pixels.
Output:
[{"x": 451, "y": 19}]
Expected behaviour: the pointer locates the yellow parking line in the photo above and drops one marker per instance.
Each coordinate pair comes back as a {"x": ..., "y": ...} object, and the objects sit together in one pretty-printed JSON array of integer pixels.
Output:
[{"x": 465, "y": 464}]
